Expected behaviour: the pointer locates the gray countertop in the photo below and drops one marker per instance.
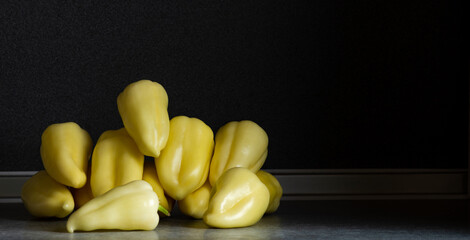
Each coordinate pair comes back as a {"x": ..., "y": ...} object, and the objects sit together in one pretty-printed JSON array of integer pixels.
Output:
[{"x": 379, "y": 219}]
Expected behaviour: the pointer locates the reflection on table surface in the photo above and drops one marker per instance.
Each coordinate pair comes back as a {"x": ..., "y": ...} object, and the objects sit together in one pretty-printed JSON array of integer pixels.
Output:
[
  {"x": 341, "y": 219},
  {"x": 17, "y": 223}
]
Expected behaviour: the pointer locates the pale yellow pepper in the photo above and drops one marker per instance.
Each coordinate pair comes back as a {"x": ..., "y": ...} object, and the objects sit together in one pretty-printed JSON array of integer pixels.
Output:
[
  {"x": 238, "y": 199},
  {"x": 196, "y": 203},
  {"x": 274, "y": 187},
  {"x": 45, "y": 197},
  {"x": 143, "y": 108},
  {"x": 132, "y": 206},
  {"x": 116, "y": 160},
  {"x": 65, "y": 151},
  {"x": 183, "y": 165},
  {"x": 150, "y": 176},
  {"x": 238, "y": 144},
  {"x": 84, "y": 194}
]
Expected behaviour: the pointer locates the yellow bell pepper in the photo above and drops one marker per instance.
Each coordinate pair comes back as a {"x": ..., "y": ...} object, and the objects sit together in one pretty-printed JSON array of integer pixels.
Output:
[
  {"x": 84, "y": 194},
  {"x": 150, "y": 176},
  {"x": 238, "y": 199},
  {"x": 132, "y": 206},
  {"x": 143, "y": 109},
  {"x": 238, "y": 144},
  {"x": 116, "y": 160},
  {"x": 183, "y": 165},
  {"x": 65, "y": 151},
  {"x": 45, "y": 197},
  {"x": 196, "y": 203},
  {"x": 274, "y": 187}
]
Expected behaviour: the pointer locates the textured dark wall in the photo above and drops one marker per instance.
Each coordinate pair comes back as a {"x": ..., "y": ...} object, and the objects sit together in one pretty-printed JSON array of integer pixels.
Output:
[{"x": 336, "y": 84}]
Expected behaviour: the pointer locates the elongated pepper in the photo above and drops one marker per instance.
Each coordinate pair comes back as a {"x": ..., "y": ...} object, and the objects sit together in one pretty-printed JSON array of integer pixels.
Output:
[
  {"x": 132, "y": 206},
  {"x": 143, "y": 108},
  {"x": 238, "y": 144},
  {"x": 65, "y": 151},
  {"x": 116, "y": 161},
  {"x": 45, "y": 197},
  {"x": 183, "y": 165}
]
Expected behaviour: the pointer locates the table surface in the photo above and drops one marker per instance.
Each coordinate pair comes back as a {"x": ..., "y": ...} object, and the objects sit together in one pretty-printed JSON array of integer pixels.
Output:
[{"x": 378, "y": 219}]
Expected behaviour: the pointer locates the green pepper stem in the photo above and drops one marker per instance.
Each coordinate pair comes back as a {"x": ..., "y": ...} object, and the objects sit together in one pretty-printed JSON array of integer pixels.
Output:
[{"x": 163, "y": 210}]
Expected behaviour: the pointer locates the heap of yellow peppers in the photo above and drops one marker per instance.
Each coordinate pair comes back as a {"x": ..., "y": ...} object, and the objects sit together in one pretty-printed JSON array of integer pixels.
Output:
[{"x": 216, "y": 179}]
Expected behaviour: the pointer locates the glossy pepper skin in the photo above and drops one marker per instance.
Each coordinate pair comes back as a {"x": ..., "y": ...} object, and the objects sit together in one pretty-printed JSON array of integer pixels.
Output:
[
  {"x": 65, "y": 150},
  {"x": 183, "y": 165},
  {"x": 45, "y": 197},
  {"x": 238, "y": 199},
  {"x": 150, "y": 176},
  {"x": 116, "y": 160},
  {"x": 143, "y": 108},
  {"x": 132, "y": 206},
  {"x": 238, "y": 144},
  {"x": 197, "y": 202},
  {"x": 274, "y": 187}
]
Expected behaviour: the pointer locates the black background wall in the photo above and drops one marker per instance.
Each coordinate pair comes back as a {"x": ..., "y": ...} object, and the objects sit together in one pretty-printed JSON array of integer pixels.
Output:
[{"x": 336, "y": 84}]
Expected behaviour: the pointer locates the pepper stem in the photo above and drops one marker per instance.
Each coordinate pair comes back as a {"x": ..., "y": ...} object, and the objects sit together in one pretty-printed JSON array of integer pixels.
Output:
[{"x": 163, "y": 210}]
